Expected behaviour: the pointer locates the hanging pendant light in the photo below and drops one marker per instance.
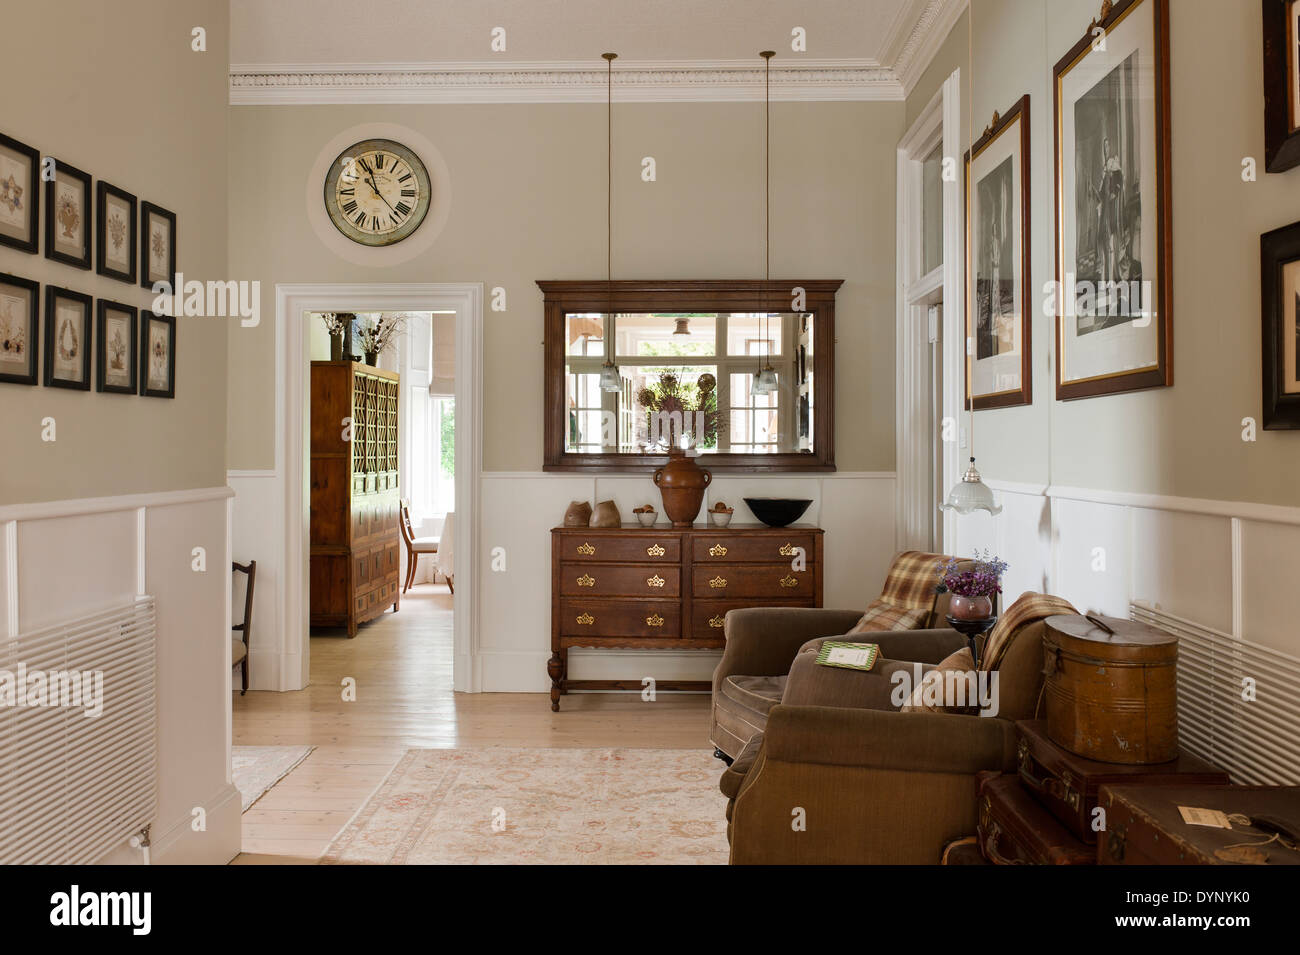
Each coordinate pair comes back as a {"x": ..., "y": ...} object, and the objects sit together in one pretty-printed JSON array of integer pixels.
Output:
[
  {"x": 765, "y": 377},
  {"x": 970, "y": 494},
  {"x": 683, "y": 327},
  {"x": 610, "y": 379}
]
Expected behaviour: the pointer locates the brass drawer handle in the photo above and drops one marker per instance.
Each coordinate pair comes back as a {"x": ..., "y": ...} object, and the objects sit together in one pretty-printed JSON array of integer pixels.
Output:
[
  {"x": 654, "y": 620},
  {"x": 717, "y": 550},
  {"x": 585, "y": 548},
  {"x": 716, "y": 621},
  {"x": 717, "y": 583},
  {"x": 586, "y": 620},
  {"x": 788, "y": 581},
  {"x": 787, "y": 550},
  {"x": 655, "y": 581},
  {"x": 586, "y": 580},
  {"x": 654, "y": 550}
]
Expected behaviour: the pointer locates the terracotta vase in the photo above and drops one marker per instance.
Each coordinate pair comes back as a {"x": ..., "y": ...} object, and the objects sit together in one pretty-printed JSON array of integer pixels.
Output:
[
  {"x": 681, "y": 482},
  {"x": 970, "y": 608}
]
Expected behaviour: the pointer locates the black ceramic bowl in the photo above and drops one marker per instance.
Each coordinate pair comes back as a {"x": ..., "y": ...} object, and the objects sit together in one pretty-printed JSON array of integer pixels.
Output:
[{"x": 777, "y": 511}]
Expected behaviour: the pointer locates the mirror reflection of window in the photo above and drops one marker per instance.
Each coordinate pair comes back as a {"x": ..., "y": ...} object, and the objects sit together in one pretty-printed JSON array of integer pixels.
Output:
[{"x": 687, "y": 380}]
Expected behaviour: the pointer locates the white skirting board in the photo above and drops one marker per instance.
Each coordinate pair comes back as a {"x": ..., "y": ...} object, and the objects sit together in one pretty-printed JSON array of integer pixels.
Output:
[
  {"x": 1224, "y": 565},
  {"x": 65, "y": 557}
]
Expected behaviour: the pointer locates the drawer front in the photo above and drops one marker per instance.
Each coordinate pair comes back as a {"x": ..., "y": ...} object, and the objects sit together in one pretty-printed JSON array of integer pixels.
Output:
[
  {"x": 707, "y": 616},
  {"x": 363, "y": 569},
  {"x": 656, "y": 548},
  {"x": 620, "y": 618},
  {"x": 618, "y": 580},
  {"x": 730, "y": 548},
  {"x": 769, "y": 581}
]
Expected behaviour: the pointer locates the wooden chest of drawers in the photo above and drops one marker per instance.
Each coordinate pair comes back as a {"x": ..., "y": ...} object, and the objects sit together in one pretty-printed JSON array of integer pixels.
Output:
[{"x": 666, "y": 588}]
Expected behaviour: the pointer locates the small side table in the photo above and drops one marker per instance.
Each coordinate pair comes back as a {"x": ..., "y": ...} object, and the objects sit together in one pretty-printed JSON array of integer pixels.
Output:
[{"x": 972, "y": 629}]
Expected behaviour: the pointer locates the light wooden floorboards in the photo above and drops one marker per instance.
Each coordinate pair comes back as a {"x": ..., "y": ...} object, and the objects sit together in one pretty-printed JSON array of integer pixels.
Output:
[{"x": 402, "y": 667}]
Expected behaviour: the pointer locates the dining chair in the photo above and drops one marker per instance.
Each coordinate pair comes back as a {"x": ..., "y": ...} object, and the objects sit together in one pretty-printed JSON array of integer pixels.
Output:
[
  {"x": 445, "y": 552},
  {"x": 239, "y": 645},
  {"x": 415, "y": 546}
]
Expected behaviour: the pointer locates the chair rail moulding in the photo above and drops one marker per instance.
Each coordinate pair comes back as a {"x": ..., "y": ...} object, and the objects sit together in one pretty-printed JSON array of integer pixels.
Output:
[
  {"x": 696, "y": 299},
  {"x": 645, "y": 81}
]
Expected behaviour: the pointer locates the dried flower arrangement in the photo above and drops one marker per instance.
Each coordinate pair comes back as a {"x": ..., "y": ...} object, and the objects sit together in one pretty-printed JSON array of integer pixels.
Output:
[{"x": 377, "y": 335}]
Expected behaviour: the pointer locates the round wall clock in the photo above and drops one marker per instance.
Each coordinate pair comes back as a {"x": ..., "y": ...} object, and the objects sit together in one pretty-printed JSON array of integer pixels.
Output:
[{"x": 377, "y": 192}]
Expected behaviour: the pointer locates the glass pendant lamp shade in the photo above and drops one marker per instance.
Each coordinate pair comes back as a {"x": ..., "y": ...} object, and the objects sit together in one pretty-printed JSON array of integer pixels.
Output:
[
  {"x": 764, "y": 381},
  {"x": 610, "y": 380},
  {"x": 970, "y": 494}
]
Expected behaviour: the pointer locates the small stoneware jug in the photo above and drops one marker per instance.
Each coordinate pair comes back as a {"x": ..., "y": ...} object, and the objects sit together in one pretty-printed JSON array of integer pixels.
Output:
[{"x": 681, "y": 482}]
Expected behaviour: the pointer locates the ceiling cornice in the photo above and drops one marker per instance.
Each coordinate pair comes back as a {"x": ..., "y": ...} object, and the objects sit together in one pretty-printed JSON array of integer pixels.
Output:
[
  {"x": 794, "y": 80},
  {"x": 928, "y": 34}
]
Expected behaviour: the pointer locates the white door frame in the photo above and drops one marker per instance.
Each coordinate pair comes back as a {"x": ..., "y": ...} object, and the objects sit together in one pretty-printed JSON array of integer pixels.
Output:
[
  {"x": 292, "y": 455},
  {"x": 939, "y": 123}
]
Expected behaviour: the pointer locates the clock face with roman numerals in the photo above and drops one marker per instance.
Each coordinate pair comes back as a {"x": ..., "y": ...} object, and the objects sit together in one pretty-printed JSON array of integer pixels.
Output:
[{"x": 377, "y": 192}]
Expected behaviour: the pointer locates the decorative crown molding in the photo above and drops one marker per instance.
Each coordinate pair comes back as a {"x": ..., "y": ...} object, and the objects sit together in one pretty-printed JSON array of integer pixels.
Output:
[
  {"x": 928, "y": 34},
  {"x": 794, "y": 80}
]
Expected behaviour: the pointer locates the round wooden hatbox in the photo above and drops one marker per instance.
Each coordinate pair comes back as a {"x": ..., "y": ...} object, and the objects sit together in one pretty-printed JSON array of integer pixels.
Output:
[{"x": 1109, "y": 688}]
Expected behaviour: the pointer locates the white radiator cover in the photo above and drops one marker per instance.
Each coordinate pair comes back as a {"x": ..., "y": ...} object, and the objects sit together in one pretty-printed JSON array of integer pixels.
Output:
[
  {"x": 1257, "y": 741},
  {"x": 73, "y": 787}
]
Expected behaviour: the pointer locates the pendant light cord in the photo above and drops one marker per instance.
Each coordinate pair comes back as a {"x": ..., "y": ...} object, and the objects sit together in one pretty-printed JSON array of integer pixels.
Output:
[
  {"x": 609, "y": 201},
  {"x": 767, "y": 198}
]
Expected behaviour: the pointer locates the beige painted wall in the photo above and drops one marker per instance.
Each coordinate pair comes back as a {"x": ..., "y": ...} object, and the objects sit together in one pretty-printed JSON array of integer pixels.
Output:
[
  {"x": 1184, "y": 440},
  {"x": 127, "y": 100},
  {"x": 528, "y": 203}
]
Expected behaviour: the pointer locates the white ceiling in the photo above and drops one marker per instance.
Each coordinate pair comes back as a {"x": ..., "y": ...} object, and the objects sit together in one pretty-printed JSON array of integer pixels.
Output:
[{"x": 343, "y": 32}]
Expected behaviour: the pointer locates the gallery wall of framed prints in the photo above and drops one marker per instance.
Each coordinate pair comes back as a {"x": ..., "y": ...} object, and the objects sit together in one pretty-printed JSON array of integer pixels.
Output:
[
  {"x": 1281, "y": 84},
  {"x": 998, "y": 309},
  {"x": 60, "y": 336},
  {"x": 1114, "y": 238}
]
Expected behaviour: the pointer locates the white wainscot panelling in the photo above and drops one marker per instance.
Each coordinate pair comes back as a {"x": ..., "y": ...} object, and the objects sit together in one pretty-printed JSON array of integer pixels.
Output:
[
  {"x": 70, "y": 565},
  {"x": 858, "y": 515},
  {"x": 1092, "y": 555},
  {"x": 1182, "y": 564},
  {"x": 257, "y": 533},
  {"x": 1268, "y": 572},
  {"x": 1024, "y": 541}
]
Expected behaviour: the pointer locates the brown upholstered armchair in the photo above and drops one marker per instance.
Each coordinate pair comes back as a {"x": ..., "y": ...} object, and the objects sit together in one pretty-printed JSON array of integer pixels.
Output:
[
  {"x": 762, "y": 642},
  {"x": 871, "y": 784}
]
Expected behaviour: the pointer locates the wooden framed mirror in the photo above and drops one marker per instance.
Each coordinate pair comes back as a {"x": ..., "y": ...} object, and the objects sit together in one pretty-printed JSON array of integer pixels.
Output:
[{"x": 634, "y": 367}]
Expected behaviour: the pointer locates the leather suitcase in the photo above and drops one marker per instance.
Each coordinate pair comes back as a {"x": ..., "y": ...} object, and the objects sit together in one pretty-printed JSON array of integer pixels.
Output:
[
  {"x": 1067, "y": 784},
  {"x": 1015, "y": 830},
  {"x": 963, "y": 852},
  {"x": 1144, "y": 826}
]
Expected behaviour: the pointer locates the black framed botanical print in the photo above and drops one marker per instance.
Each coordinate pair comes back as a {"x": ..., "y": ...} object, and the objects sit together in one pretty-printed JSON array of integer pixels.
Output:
[
  {"x": 20, "y": 319},
  {"x": 67, "y": 339},
  {"x": 158, "y": 356},
  {"x": 68, "y": 216},
  {"x": 157, "y": 246},
  {"x": 1281, "y": 84},
  {"x": 1114, "y": 240},
  {"x": 20, "y": 197},
  {"x": 116, "y": 246},
  {"x": 1279, "y": 256},
  {"x": 116, "y": 356},
  {"x": 998, "y": 309}
]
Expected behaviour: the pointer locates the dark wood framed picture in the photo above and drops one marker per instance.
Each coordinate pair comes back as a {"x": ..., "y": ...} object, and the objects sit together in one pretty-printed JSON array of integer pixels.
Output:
[
  {"x": 1114, "y": 237},
  {"x": 1279, "y": 258},
  {"x": 1281, "y": 84},
  {"x": 116, "y": 248},
  {"x": 158, "y": 356},
  {"x": 68, "y": 216},
  {"x": 999, "y": 310},
  {"x": 67, "y": 338},
  {"x": 157, "y": 246},
  {"x": 20, "y": 322},
  {"x": 20, "y": 195},
  {"x": 116, "y": 354}
]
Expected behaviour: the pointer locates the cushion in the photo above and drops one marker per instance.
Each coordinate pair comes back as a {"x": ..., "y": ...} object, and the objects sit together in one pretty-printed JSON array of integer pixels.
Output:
[
  {"x": 932, "y": 694},
  {"x": 425, "y": 545},
  {"x": 885, "y": 616},
  {"x": 237, "y": 650},
  {"x": 758, "y": 693}
]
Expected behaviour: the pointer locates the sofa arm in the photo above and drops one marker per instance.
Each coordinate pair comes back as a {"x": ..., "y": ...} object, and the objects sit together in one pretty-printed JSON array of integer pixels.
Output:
[
  {"x": 762, "y": 641},
  {"x": 888, "y": 740}
]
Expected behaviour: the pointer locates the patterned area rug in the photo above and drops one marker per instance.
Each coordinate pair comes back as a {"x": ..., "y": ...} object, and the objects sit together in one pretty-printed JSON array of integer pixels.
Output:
[
  {"x": 541, "y": 806},
  {"x": 255, "y": 769}
]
